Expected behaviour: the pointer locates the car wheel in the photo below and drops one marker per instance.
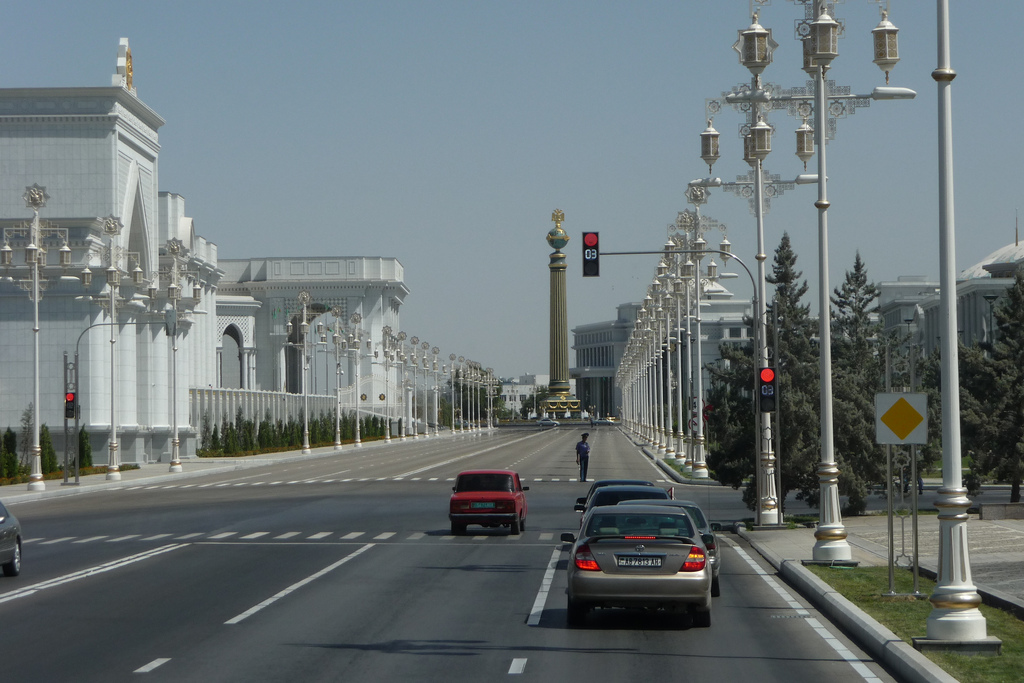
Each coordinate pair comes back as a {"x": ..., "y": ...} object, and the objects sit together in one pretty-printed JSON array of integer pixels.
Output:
[
  {"x": 458, "y": 529},
  {"x": 522, "y": 524},
  {"x": 575, "y": 613},
  {"x": 716, "y": 589},
  {"x": 702, "y": 619},
  {"x": 515, "y": 526},
  {"x": 13, "y": 568}
]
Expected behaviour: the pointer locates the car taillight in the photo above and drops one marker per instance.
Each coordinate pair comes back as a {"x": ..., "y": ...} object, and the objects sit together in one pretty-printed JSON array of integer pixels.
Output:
[
  {"x": 584, "y": 559},
  {"x": 640, "y": 538},
  {"x": 695, "y": 561},
  {"x": 506, "y": 505}
]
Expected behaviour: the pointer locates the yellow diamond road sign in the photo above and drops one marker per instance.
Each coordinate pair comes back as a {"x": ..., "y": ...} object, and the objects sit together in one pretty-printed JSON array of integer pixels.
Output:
[{"x": 901, "y": 418}]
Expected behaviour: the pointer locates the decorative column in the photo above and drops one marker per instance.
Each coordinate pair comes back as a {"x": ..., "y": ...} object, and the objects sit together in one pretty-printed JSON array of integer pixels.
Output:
[{"x": 560, "y": 398}]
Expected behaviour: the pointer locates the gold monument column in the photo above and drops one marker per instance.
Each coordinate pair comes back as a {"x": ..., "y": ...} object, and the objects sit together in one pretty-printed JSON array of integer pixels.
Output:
[{"x": 560, "y": 399}]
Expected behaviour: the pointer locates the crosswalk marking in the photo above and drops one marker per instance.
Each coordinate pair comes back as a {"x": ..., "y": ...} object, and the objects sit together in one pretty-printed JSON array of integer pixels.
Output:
[{"x": 336, "y": 536}]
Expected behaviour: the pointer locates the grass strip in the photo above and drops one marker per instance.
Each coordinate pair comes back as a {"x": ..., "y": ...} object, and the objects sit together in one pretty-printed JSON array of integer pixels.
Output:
[{"x": 906, "y": 616}]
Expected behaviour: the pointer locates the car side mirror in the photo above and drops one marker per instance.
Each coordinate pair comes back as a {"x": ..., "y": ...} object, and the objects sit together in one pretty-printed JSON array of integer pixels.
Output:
[
  {"x": 453, "y": 489},
  {"x": 581, "y": 501},
  {"x": 526, "y": 488},
  {"x": 568, "y": 538},
  {"x": 579, "y": 507}
]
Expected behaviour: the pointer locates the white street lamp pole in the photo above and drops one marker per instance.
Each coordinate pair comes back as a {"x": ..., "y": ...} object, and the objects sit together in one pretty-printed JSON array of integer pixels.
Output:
[
  {"x": 354, "y": 342},
  {"x": 955, "y": 601},
  {"x": 305, "y": 298}
]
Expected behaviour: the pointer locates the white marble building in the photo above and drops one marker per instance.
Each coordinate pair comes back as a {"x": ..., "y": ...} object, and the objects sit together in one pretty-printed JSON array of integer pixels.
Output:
[{"x": 96, "y": 150}]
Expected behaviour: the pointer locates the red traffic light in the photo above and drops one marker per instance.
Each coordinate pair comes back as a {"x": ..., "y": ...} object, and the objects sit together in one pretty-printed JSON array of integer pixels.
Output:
[
  {"x": 590, "y": 239},
  {"x": 767, "y": 374},
  {"x": 69, "y": 396}
]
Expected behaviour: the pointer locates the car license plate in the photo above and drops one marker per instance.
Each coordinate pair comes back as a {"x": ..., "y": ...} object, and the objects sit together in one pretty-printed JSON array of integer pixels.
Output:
[
  {"x": 479, "y": 506},
  {"x": 638, "y": 560}
]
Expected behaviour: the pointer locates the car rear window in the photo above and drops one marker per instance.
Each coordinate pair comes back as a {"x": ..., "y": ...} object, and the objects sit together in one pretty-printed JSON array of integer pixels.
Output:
[
  {"x": 484, "y": 482},
  {"x": 697, "y": 514},
  {"x": 647, "y": 524},
  {"x": 613, "y": 497}
]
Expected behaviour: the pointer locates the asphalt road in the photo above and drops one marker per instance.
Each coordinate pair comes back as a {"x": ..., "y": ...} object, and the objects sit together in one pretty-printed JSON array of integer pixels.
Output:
[{"x": 343, "y": 568}]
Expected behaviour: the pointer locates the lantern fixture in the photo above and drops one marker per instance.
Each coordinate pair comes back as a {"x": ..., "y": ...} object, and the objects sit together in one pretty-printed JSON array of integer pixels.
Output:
[
  {"x": 805, "y": 143},
  {"x": 86, "y": 277},
  {"x": 886, "y": 43},
  {"x": 755, "y": 46},
  {"x": 709, "y": 145},
  {"x": 824, "y": 38},
  {"x": 726, "y": 248},
  {"x": 688, "y": 269},
  {"x": 712, "y": 270},
  {"x": 761, "y": 139}
]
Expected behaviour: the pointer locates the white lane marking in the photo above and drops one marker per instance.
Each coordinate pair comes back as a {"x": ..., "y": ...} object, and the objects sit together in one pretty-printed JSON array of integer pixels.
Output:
[
  {"x": 818, "y": 627},
  {"x": 295, "y": 586},
  {"x": 188, "y": 536},
  {"x": 152, "y": 665},
  {"x": 317, "y": 536},
  {"x": 518, "y": 666},
  {"x": 545, "y": 588},
  {"x": 157, "y": 537},
  {"x": 57, "y": 540},
  {"x": 123, "y": 538},
  {"x": 354, "y": 534},
  {"x": 287, "y": 534},
  {"x": 384, "y": 536},
  {"x": 546, "y": 536},
  {"x": 90, "y": 539},
  {"x": 258, "y": 534},
  {"x": 84, "y": 573},
  {"x": 226, "y": 534}
]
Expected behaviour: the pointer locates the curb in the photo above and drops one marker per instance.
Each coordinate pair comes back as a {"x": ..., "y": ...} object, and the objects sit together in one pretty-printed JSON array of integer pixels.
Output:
[{"x": 886, "y": 647}]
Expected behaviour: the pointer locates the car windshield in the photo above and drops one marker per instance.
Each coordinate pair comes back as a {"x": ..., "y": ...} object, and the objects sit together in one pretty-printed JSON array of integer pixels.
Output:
[
  {"x": 646, "y": 524},
  {"x": 606, "y": 497},
  {"x": 698, "y": 515},
  {"x": 484, "y": 482}
]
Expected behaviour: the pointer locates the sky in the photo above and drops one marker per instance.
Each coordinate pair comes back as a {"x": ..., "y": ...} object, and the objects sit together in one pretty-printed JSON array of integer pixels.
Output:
[{"x": 445, "y": 133}]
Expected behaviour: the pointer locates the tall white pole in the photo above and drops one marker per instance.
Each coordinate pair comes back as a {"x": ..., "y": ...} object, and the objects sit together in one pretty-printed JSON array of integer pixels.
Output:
[
  {"x": 35, "y": 482},
  {"x": 700, "y": 467},
  {"x": 113, "y": 460},
  {"x": 955, "y": 614},
  {"x": 830, "y": 535}
]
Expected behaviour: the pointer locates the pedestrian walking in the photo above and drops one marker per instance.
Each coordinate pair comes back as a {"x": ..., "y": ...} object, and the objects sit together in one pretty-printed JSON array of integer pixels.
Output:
[{"x": 583, "y": 455}]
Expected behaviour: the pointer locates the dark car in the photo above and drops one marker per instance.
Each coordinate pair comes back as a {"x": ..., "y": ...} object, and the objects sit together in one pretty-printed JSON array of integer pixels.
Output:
[
  {"x": 638, "y": 556},
  {"x": 10, "y": 543},
  {"x": 611, "y": 495},
  {"x": 490, "y": 498},
  {"x": 581, "y": 503},
  {"x": 710, "y": 540}
]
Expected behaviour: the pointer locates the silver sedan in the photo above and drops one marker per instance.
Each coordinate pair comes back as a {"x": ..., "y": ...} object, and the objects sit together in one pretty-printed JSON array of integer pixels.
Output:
[
  {"x": 10, "y": 543},
  {"x": 638, "y": 556}
]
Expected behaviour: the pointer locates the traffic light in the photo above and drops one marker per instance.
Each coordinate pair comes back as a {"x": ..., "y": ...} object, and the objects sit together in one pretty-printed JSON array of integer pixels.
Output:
[
  {"x": 591, "y": 255},
  {"x": 767, "y": 394},
  {"x": 69, "y": 405}
]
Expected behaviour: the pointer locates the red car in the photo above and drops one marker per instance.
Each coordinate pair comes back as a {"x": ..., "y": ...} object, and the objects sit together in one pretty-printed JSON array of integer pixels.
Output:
[{"x": 490, "y": 498}]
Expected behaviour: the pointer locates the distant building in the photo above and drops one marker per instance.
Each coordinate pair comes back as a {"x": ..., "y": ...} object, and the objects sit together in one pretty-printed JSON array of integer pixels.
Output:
[{"x": 599, "y": 346}]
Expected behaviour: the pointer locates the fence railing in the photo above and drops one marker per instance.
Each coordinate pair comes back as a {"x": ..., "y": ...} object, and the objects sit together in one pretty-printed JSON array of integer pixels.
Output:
[{"x": 221, "y": 405}]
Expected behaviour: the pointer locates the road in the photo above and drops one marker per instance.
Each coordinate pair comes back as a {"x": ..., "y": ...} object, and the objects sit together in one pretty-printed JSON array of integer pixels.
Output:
[{"x": 343, "y": 568}]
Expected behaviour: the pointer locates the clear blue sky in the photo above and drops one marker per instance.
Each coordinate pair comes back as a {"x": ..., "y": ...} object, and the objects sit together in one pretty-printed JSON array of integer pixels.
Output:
[{"x": 444, "y": 133}]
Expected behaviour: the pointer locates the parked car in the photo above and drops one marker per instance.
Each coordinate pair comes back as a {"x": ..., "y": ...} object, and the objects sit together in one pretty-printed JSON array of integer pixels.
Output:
[
  {"x": 638, "y": 556},
  {"x": 547, "y": 422},
  {"x": 610, "y": 495},
  {"x": 605, "y": 421},
  {"x": 490, "y": 498},
  {"x": 581, "y": 503},
  {"x": 704, "y": 527},
  {"x": 10, "y": 543}
]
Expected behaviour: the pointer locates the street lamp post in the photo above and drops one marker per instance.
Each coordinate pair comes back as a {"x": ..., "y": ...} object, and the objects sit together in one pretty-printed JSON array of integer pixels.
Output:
[
  {"x": 452, "y": 359},
  {"x": 35, "y": 259},
  {"x": 174, "y": 273},
  {"x": 338, "y": 340},
  {"x": 955, "y": 615},
  {"x": 355, "y": 341}
]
